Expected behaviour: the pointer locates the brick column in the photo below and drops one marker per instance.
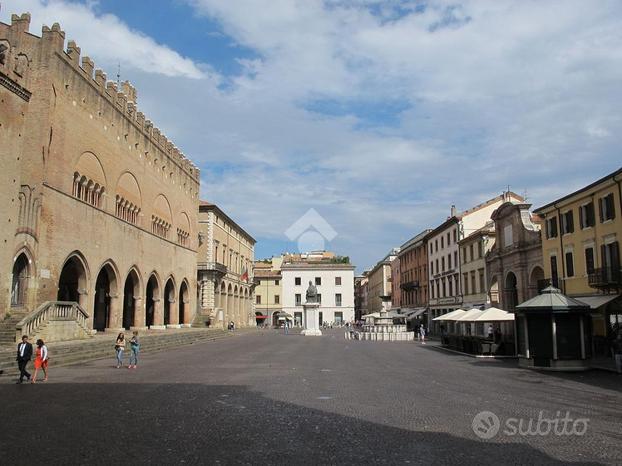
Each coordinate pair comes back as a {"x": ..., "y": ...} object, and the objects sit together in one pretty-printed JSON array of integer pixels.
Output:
[
  {"x": 115, "y": 320},
  {"x": 158, "y": 315},
  {"x": 173, "y": 314},
  {"x": 139, "y": 314}
]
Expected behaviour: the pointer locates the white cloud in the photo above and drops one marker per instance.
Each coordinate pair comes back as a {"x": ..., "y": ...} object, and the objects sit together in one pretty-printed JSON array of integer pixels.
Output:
[
  {"x": 491, "y": 93},
  {"x": 107, "y": 38}
]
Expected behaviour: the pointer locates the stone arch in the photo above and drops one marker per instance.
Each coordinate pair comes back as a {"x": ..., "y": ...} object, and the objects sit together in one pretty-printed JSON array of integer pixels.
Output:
[
  {"x": 5, "y": 49},
  {"x": 89, "y": 165},
  {"x": 128, "y": 198},
  {"x": 152, "y": 298},
  {"x": 169, "y": 301},
  {"x": 106, "y": 288},
  {"x": 184, "y": 229},
  {"x": 184, "y": 302},
  {"x": 162, "y": 208},
  {"x": 229, "y": 302},
  {"x": 536, "y": 278},
  {"x": 510, "y": 291},
  {"x": 23, "y": 271},
  {"x": 73, "y": 281},
  {"x": 131, "y": 297},
  {"x": 493, "y": 290}
]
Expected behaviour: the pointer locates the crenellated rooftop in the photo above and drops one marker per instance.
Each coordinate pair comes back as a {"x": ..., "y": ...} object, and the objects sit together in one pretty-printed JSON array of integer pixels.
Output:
[{"x": 123, "y": 99}]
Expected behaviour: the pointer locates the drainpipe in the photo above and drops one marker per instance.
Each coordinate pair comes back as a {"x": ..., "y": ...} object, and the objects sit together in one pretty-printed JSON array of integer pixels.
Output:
[{"x": 561, "y": 246}]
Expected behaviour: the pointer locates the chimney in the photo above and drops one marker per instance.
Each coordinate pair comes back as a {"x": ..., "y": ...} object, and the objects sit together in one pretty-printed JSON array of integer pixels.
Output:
[{"x": 453, "y": 211}]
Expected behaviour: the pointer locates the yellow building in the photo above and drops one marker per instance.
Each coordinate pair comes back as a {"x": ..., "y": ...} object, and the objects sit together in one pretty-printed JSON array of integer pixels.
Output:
[
  {"x": 268, "y": 291},
  {"x": 225, "y": 269},
  {"x": 581, "y": 252}
]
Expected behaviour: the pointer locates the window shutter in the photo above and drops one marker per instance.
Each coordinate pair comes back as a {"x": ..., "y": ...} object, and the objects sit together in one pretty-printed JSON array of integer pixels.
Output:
[
  {"x": 603, "y": 256},
  {"x": 615, "y": 256},
  {"x": 591, "y": 221},
  {"x": 581, "y": 221},
  {"x": 570, "y": 222},
  {"x": 600, "y": 209},
  {"x": 613, "y": 207}
]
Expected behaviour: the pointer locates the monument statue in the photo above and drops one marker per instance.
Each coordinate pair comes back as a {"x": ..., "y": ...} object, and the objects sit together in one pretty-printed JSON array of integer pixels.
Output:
[{"x": 311, "y": 293}]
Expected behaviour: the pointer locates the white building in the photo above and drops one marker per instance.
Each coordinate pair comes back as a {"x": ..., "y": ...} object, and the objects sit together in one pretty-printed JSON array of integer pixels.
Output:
[{"x": 335, "y": 287}]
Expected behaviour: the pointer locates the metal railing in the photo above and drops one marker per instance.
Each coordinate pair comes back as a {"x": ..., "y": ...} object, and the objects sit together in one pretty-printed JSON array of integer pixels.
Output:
[
  {"x": 212, "y": 266},
  {"x": 51, "y": 310},
  {"x": 411, "y": 285},
  {"x": 605, "y": 277}
]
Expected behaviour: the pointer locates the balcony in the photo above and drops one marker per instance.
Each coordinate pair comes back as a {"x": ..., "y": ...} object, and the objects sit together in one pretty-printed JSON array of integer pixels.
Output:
[
  {"x": 606, "y": 277},
  {"x": 219, "y": 270},
  {"x": 411, "y": 285}
]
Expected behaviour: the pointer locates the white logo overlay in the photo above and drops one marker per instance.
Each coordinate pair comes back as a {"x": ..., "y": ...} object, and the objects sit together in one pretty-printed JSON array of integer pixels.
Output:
[
  {"x": 311, "y": 231},
  {"x": 487, "y": 425}
]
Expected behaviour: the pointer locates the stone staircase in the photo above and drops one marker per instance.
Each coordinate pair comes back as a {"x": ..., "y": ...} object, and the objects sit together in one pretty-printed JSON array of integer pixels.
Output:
[
  {"x": 7, "y": 325},
  {"x": 101, "y": 346}
]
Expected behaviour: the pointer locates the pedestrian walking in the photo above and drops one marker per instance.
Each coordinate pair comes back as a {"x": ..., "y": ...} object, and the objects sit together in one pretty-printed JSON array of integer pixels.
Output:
[
  {"x": 422, "y": 334},
  {"x": 617, "y": 352},
  {"x": 119, "y": 347},
  {"x": 286, "y": 327},
  {"x": 41, "y": 361},
  {"x": 24, "y": 353},
  {"x": 135, "y": 348}
]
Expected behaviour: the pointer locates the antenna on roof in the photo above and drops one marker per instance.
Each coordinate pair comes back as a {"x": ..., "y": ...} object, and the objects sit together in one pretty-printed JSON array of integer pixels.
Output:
[
  {"x": 118, "y": 74},
  {"x": 525, "y": 194}
]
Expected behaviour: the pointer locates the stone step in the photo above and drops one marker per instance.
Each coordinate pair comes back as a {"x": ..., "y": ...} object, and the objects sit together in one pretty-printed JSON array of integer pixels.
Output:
[{"x": 76, "y": 352}]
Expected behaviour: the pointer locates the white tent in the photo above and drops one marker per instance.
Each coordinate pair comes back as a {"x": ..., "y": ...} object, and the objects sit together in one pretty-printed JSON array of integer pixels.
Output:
[
  {"x": 469, "y": 316},
  {"x": 493, "y": 314},
  {"x": 452, "y": 316}
]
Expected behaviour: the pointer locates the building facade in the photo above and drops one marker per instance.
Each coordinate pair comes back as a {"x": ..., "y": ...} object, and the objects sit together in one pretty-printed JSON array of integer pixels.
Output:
[
  {"x": 335, "y": 287},
  {"x": 413, "y": 257},
  {"x": 446, "y": 292},
  {"x": 396, "y": 292},
  {"x": 379, "y": 282},
  {"x": 514, "y": 270},
  {"x": 225, "y": 269},
  {"x": 104, "y": 205},
  {"x": 360, "y": 295},
  {"x": 581, "y": 251},
  {"x": 473, "y": 250},
  {"x": 268, "y": 291}
]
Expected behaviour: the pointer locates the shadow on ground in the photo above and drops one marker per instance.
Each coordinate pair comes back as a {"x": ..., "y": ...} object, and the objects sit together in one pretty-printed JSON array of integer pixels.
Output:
[{"x": 194, "y": 423}]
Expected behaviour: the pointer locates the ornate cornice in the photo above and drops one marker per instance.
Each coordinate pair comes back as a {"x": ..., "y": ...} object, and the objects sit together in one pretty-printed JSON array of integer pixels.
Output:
[{"x": 14, "y": 87}]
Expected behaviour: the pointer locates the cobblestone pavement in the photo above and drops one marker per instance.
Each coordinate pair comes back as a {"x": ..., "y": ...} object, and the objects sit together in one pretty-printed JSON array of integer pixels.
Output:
[{"x": 269, "y": 398}]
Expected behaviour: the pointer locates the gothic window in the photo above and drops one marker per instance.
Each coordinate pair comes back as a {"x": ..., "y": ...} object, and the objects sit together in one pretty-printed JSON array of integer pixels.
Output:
[{"x": 87, "y": 190}]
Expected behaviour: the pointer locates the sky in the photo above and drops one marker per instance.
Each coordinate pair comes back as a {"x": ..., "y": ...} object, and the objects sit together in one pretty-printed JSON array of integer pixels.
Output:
[{"x": 379, "y": 115}]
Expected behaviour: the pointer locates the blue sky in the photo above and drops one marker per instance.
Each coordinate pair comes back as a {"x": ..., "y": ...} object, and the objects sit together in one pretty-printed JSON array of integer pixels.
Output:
[{"x": 379, "y": 115}]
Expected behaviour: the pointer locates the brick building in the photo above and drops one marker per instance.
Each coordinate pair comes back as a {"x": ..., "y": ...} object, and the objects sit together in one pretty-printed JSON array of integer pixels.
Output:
[{"x": 101, "y": 208}]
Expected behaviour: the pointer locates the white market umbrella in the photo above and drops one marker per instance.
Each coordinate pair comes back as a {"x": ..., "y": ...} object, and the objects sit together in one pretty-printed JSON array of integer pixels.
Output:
[
  {"x": 493, "y": 314},
  {"x": 452, "y": 316},
  {"x": 469, "y": 316}
]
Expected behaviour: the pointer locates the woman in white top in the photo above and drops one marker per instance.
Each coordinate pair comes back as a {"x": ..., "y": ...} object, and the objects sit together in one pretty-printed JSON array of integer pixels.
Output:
[{"x": 41, "y": 361}]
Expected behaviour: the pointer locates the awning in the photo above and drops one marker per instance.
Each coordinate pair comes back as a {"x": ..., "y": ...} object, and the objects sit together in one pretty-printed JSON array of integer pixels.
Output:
[
  {"x": 597, "y": 301},
  {"x": 453, "y": 315},
  {"x": 412, "y": 313},
  {"x": 493, "y": 314},
  {"x": 469, "y": 316}
]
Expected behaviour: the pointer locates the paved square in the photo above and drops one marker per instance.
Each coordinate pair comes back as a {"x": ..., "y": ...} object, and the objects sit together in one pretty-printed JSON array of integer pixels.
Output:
[{"x": 266, "y": 397}]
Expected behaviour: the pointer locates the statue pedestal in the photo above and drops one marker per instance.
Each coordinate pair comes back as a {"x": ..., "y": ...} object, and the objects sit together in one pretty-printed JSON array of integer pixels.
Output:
[{"x": 311, "y": 319}]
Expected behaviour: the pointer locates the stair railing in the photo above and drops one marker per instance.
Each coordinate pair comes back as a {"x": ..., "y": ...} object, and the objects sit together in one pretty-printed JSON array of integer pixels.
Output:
[{"x": 51, "y": 310}]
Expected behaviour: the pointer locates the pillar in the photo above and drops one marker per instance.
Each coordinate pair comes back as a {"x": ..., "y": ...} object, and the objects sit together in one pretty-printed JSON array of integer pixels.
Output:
[
  {"x": 115, "y": 321},
  {"x": 158, "y": 315},
  {"x": 173, "y": 314},
  {"x": 139, "y": 314}
]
